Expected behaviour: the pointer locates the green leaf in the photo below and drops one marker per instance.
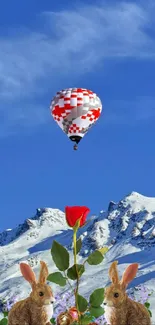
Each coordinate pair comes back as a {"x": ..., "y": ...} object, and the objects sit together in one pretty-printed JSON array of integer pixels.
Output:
[
  {"x": 3, "y": 321},
  {"x": 52, "y": 320},
  {"x": 72, "y": 274},
  {"x": 95, "y": 258},
  {"x": 57, "y": 278},
  {"x": 147, "y": 304},
  {"x": 82, "y": 303},
  {"x": 78, "y": 245},
  {"x": 96, "y": 312},
  {"x": 5, "y": 313},
  {"x": 60, "y": 256},
  {"x": 150, "y": 312},
  {"x": 86, "y": 319},
  {"x": 103, "y": 250},
  {"x": 97, "y": 297}
]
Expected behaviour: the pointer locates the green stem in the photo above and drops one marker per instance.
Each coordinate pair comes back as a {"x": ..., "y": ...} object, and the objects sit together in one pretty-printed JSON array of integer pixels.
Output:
[
  {"x": 74, "y": 241},
  {"x": 77, "y": 283},
  {"x": 84, "y": 262},
  {"x": 72, "y": 289}
]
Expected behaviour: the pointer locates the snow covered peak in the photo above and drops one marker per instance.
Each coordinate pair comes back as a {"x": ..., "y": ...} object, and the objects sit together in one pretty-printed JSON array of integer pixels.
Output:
[
  {"x": 49, "y": 216},
  {"x": 44, "y": 218},
  {"x": 131, "y": 219},
  {"x": 139, "y": 201}
]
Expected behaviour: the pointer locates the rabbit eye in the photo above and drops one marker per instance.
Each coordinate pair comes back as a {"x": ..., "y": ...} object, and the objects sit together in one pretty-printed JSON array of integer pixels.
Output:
[
  {"x": 116, "y": 294},
  {"x": 41, "y": 293}
]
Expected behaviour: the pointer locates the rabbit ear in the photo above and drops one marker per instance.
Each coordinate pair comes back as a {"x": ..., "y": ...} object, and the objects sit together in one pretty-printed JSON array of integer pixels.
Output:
[
  {"x": 113, "y": 273},
  {"x": 129, "y": 274},
  {"x": 28, "y": 273},
  {"x": 43, "y": 273}
]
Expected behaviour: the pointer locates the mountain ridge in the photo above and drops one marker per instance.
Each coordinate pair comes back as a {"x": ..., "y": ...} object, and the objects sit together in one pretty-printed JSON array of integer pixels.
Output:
[{"x": 126, "y": 227}]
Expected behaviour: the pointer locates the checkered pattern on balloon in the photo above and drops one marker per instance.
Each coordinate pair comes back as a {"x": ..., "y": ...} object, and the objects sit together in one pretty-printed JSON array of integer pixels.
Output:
[{"x": 75, "y": 110}]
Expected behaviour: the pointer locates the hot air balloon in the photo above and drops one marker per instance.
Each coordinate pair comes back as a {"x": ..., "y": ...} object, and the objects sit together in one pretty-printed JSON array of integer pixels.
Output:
[{"x": 75, "y": 110}]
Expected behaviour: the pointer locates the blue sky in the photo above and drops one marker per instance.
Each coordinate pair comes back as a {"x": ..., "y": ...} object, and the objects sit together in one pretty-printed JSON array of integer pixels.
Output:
[{"x": 44, "y": 47}]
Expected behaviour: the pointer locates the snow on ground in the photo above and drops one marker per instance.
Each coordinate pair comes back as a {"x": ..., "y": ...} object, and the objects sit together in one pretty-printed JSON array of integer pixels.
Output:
[{"x": 116, "y": 228}]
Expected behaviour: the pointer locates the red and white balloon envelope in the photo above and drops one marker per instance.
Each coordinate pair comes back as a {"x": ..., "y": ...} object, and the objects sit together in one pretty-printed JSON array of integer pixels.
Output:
[{"x": 76, "y": 110}]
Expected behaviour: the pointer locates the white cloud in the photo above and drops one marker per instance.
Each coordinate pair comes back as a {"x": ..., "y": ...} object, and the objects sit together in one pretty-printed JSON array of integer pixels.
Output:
[{"x": 68, "y": 43}]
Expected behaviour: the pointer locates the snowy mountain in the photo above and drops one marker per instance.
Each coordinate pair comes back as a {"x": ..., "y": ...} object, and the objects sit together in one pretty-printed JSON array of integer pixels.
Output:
[
  {"x": 32, "y": 227},
  {"x": 130, "y": 219},
  {"x": 127, "y": 227}
]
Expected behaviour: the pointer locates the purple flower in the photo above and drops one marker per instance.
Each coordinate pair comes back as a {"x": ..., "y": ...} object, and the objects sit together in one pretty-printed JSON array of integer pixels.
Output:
[
  {"x": 131, "y": 294},
  {"x": 101, "y": 320},
  {"x": 14, "y": 299},
  {"x": 64, "y": 301},
  {"x": 144, "y": 294}
]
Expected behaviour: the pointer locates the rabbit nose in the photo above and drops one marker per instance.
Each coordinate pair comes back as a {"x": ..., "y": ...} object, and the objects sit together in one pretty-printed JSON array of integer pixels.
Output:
[
  {"x": 104, "y": 303},
  {"x": 52, "y": 300}
]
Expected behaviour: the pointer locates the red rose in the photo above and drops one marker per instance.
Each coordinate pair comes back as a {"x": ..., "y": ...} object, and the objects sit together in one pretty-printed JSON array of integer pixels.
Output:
[{"x": 75, "y": 213}]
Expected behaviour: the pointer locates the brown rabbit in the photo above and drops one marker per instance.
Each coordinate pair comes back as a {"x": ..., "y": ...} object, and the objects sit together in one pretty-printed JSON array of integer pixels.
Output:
[
  {"x": 119, "y": 309},
  {"x": 37, "y": 309}
]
